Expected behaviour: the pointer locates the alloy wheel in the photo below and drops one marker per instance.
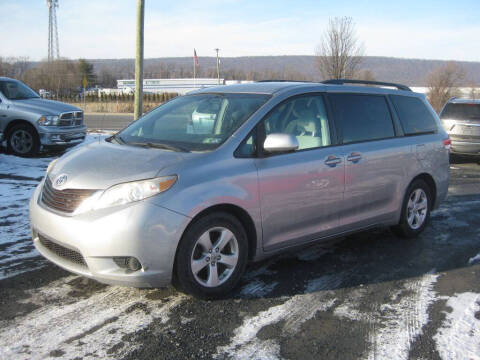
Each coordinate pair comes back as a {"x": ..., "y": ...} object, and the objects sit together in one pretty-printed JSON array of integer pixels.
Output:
[
  {"x": 21, "y": 141},
  {"x": 214, "y": 257},
  {"x": 417, "y": 208}
]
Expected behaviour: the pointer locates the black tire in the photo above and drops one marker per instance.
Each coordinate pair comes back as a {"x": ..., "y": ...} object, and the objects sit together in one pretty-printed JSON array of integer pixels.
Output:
[
  {"x": 28, "y": 130},
  {"x": 404, "y": 229},
  {"x": 184, "y": 278}
]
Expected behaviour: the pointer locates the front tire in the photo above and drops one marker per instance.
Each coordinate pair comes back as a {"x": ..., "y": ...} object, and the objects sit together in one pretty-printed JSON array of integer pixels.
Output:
[
  {"x": 212, "y": 256},
  {"x": 23, "y": 140},
  {"x": 415, "y": 210}
]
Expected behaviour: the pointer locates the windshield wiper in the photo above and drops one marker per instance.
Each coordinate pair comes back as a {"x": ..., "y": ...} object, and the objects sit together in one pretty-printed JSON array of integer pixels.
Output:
[{"x": 159, "y": 146}]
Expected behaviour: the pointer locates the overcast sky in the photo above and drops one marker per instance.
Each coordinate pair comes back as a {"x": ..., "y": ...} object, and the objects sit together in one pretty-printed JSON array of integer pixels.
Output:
[{"x": 105, "y": 28}]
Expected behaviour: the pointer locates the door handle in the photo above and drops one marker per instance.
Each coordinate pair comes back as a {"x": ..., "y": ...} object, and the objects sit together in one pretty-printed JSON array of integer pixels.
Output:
[
  {"x": 333, "y": 160},
  {"x": 354, "y": 157}
]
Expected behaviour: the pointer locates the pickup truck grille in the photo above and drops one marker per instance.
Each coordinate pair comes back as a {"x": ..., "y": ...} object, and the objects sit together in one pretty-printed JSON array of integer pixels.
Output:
[
  {"x": 74, "y": 118},
  {"x": 66, "y": 200}
]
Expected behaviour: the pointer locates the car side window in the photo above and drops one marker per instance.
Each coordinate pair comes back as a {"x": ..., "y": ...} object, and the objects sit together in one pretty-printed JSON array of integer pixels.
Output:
[
  {"x": 362, "y": 117},
  {"x": 248, "y": 146},
  {"x": 414, "y": 115},
  {"x": 305, "y": 117}
]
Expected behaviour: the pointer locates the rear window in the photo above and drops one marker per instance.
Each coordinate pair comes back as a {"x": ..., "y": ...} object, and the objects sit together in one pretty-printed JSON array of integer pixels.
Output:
[
  {"x": 414, "y": 116},
  {"x": 461, "y": 111},
  {"x": 362, "y": 117}
]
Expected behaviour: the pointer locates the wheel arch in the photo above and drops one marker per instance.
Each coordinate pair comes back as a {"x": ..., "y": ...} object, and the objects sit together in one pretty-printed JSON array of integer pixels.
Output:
[
  {"x": 241, "y": 215},
  {"x": 429, "y": 180},
  {"x": 15, "y": 122}
]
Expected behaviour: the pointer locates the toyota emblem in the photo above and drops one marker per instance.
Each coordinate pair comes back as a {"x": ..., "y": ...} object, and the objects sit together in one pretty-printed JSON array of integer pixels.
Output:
[{"x": 60, "y": 180}]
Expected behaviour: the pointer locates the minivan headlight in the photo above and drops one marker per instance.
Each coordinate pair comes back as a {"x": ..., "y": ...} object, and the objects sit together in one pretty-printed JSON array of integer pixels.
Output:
[
  {"x": 134, "y": 191},
  {"x": 48, "y": 120}
]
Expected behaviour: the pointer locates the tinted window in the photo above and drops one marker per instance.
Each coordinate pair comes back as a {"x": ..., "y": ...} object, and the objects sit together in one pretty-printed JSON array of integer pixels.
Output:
[
  {"x": 461, "y": 112},
  {"x": 362, "y": 117},
  {"x": 414, "y": 115},
  {"x": 305, "y": 117}
]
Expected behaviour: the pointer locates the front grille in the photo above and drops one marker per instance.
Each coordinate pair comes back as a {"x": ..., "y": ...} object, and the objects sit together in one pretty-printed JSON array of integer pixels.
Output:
[
  {"x": 66, "y": 116},
  {"x": 63, "y": 252},
  {"x": 63, "y": 200},
  {"x": 74, "y": 118}
]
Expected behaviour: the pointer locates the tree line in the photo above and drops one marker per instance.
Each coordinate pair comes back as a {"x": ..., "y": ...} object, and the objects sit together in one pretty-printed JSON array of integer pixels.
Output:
[{"x": 340, "y": 54}]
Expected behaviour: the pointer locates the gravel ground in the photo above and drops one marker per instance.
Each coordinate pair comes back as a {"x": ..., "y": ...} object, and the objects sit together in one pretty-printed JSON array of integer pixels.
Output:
[{"x": 367, "y": 296}]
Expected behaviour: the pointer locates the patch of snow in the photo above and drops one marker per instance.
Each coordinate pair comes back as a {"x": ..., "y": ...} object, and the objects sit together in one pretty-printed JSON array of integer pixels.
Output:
[
  {"x": 402, "y": 322},
  {"x": 474, "y": 259},
  {"x": 459, "y": 337},
  {"x": 294, "y": 312},
  {"x": 82, "y": 328},
  {"x": 18, "y": 179}
]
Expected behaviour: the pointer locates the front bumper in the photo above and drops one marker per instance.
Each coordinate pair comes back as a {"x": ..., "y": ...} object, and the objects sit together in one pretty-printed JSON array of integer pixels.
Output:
[
  {"x": 58, "y": 136},
  {"x": 148, "y": 232}
]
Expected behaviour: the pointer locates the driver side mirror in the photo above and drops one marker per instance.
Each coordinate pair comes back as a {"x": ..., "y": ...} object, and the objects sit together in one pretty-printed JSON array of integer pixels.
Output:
[{"x": 275, "y": 143}]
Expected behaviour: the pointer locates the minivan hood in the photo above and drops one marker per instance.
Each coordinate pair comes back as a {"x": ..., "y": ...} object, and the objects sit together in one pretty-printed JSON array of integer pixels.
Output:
[
  {"x": 43, "y": 106},
  {"x": 100, "y": 165}
]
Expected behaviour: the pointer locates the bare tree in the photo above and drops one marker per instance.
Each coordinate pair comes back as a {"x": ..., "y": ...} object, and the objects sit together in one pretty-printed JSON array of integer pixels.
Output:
[
  {"x": 443, "y": 83},
  {"x": 339, "y": 53},
  {"x": 474, "y": 93},
  {"x": 365, "y": 75}
]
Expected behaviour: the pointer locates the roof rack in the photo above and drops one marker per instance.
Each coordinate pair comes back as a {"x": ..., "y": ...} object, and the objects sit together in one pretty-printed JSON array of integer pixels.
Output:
[
  {"x": 267, "y": 81},
  {"x": 366, "y": 82}
]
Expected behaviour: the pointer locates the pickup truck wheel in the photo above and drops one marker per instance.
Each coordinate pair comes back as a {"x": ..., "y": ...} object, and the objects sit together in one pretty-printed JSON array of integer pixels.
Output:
[
  {"x": 211, "y": 256},
  {"x": 23, "y": 140}
]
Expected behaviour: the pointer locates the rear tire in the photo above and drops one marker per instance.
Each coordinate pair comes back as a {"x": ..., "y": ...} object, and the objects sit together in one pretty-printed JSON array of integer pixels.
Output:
[
  {"x": 211, "y": 257},
  {"x": 415, "y": 210},
  {"x": 22, "y": 140}
]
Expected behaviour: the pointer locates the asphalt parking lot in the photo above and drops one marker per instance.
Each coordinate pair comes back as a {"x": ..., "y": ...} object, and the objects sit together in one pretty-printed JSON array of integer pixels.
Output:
[{"x": 367, "y": 296}]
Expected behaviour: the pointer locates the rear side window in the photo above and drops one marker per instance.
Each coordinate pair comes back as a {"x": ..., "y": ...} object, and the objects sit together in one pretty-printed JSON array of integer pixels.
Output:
[
  {"x": 414, "y": 115},
  {"x": 362, "y": 117},
  {"x": 461, "y": 112}
]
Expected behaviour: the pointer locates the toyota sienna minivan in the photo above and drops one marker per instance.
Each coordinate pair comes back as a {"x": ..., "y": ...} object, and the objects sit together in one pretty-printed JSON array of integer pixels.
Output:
[{"x": 284, "y": 164}]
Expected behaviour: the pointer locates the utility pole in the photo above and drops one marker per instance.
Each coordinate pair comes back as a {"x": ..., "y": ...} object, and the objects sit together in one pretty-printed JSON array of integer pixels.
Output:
[
  {"x": 218, "y": 67},
  {"x": 138, "y": 106}
]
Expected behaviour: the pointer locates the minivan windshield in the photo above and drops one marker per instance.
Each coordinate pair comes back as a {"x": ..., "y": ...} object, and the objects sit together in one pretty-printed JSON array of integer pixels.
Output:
[
  {"x": 15, "y": 90},
  {"x": 461, "y": 111},
  {"x": 198, "y": 122}
]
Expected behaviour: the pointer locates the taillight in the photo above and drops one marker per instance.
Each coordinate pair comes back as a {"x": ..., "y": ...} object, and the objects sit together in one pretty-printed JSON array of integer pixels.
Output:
[{"x": 446, "y": 143}]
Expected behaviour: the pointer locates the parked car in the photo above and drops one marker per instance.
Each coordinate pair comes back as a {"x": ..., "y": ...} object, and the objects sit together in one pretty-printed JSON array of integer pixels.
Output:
[
  {"x": 461, "y": 119},
  {"x": 28, "y": 122},
  {"x": 285, "y": 164}
]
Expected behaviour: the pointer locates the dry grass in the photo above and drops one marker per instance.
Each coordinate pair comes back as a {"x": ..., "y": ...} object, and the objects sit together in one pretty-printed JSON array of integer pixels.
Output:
[{"x": 113, "y": 106}]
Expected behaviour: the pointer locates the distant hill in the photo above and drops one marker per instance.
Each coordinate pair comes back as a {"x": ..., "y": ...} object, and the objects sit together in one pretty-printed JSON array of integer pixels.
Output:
[{"x": 412, "y": 72}]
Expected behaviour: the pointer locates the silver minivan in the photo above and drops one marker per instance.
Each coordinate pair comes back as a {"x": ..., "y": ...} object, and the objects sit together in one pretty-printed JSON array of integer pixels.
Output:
[{"x": 284, "y": 164}]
